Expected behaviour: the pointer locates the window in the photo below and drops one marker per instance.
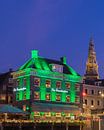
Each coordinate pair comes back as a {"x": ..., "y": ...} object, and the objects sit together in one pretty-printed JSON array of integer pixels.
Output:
[
  {"x": 77, "y": 87},
  {"x": 2, "y": 97},
  {"x": 98, "y": 102},
  {"x": 86, "y": 91},
  {"x": 67, "y": 85},
  {"x": 24, "y": 95},
  {"x": 24, "y": 107},
  {"x": 77, "y": 99},
  {"x": 47, "y": 97},
  {"x": 24, "y": 82},
  {"x": 92, "y": 102},
  {"x": 92, "y": 92},
  {"x": 36, "y": 95},
  {"x": 4, "y": 87},
  {"x": 57, "y": 68},
  {"x": 68, "y": 98},
  {"x": 17, "y": 96},
  {"x": 58, "y": 97},
  {"x": 36, "y": 82},
  {"x": 58, "y": 84},
  {"x": 48, "y": 83},
  {"x": 10, "y": 80},
  {"x": 86, "y": 101},
  {"x": 17, "y": 83}
]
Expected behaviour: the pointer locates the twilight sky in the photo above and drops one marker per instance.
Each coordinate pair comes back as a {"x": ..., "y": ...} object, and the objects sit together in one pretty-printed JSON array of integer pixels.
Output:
[{"x": 55, "y": 27}]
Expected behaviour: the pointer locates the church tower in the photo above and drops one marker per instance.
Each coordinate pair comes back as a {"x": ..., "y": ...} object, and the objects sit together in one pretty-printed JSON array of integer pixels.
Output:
[{"x": 91, "y": 64}]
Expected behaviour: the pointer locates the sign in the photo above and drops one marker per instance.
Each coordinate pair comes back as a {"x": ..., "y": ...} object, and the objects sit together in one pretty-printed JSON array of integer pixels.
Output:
[
  {"x": 58, "y": 90},
  {"x": 19, "y": 89}
]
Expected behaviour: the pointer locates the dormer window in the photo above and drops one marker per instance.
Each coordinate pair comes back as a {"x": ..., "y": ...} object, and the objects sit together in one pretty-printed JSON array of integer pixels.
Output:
[{"x": 57, "y": 68}]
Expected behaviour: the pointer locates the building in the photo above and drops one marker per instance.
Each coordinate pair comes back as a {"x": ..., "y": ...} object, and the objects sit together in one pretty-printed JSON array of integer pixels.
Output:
[
  {"x": 93, "y": 97},
  {"x": 49, "y": 89},
  {"x": 6, "y": 87},
  {"x": 93, "y": 87}
]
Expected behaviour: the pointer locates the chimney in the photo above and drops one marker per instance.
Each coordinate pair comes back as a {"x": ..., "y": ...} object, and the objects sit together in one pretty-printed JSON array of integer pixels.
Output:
[
  {"x": 34, "y": 54},
  {"x": 63, "y": 60}
]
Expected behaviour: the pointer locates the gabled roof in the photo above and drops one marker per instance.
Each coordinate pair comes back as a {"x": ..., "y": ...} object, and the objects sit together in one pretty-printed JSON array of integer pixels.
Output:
[
  {"x": 4, "y": 76},
  {"x": 44, "y": 64}
]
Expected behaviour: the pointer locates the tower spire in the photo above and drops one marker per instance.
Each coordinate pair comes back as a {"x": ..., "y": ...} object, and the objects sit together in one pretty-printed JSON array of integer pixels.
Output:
[{"x": 91, "y": 64}]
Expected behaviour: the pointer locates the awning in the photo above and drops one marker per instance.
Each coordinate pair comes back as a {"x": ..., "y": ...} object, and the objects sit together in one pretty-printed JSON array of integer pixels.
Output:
[
  {"x": 10, "y": 109},
  {"x": 50, "y": 107}
]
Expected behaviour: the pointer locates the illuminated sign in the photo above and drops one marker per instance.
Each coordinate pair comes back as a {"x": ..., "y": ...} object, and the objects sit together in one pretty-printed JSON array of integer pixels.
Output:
[
  {"x": 19, "y": 89},
  {"x": 58, "y": 90}
]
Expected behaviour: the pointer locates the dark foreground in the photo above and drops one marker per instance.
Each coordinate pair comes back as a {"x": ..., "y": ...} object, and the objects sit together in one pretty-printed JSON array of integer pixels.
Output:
[{"x": 39, "y": 126}]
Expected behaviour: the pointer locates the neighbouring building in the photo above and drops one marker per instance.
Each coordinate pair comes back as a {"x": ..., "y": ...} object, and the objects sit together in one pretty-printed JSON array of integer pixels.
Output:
[
  {"x": 93, "y": 97},
  {"x": 49, "y": 89},
  {"x": 6, "y": 87}
]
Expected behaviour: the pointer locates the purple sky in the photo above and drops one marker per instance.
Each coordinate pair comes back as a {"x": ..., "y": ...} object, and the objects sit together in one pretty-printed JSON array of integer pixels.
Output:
[{"x": 55, "y": 27}]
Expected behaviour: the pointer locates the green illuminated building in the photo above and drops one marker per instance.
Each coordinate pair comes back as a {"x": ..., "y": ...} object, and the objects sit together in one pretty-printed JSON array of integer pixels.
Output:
[{"x": 47, "y": 88}]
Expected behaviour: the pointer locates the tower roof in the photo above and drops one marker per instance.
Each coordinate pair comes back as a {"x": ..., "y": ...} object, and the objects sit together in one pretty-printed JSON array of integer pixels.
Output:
[{"x": 91, "y": 64}]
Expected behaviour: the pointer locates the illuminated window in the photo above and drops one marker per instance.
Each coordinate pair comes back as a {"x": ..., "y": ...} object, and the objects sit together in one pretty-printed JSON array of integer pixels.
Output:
[
  {"x": 36, "y": 95},
  {"x": 47, "y": 114},
  {"x": 10, "y": 99},
  {"x": 36, "y": 113},
  {"x": 2, "y": 97},
  {"x": 77, "y": 100},
  {"x": 77, "y": 87},
  {"x": 36, "y": 82},
  {"x": 68, "y": 98},
  {"x": 24, "y": 107},
  {"x": 58, "y": 114},
  {"x": 58, "y": 97},
  {"x": 24, "y": 82},
  {"x": 48, "y": 83},
  {"x": 47, "y": 97},
  {"x": 58, "y": 84},
  {"x": 67, "y": 85}
]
